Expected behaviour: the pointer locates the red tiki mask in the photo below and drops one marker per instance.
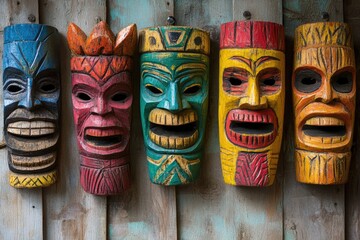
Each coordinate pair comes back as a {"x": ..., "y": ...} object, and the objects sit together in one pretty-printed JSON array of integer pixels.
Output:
[{"x": 102, "y": 99}]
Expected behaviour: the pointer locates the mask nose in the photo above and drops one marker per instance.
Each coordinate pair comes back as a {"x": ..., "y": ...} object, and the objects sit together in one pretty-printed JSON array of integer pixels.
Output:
[
  {"x": 253, "y": 99},
  {"x": 100, "y": 106},
  {"x": 326, "y": 93},
  {"x": 172, "y": 100},
  {"x": 30, "y": 101}
]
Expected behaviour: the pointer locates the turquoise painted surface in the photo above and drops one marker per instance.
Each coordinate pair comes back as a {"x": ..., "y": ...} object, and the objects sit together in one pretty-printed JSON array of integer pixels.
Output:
[{"x": 172, "y": 165}]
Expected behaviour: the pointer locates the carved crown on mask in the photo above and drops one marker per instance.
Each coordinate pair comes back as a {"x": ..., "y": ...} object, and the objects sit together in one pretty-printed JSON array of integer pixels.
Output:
[{"x": 102, "y": 41}]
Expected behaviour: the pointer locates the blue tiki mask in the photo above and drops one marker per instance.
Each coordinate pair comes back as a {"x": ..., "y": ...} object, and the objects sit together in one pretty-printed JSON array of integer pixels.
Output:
[{"x": 31, "y": 84}]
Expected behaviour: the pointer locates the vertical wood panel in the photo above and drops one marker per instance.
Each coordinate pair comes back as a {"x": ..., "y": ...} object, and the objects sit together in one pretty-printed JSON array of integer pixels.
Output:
[
  {"x": 210, "y": 209},
  {"x": 269, "y": 10},
  {"x": 352, "y": 221},
  {"x": 21, "y": 209},
  {"x": 310, "y": 211},
  {"x": 147, "y": 211},
  {"x": 71, "y": 213}
]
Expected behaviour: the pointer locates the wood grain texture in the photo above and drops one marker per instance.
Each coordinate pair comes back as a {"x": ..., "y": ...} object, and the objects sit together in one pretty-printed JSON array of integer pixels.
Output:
[
  {"x": 352, "y": 221},
  {"x": 18, "y": 11},
  {"x": 147, "y": 211},
  {"x": 70, "y": 213},
  {"x": 270, "y": 10},
  {"x": 21, "y": 210},
  {"x": 310, "y": 212},
  {"x": 210, "y": 209}
]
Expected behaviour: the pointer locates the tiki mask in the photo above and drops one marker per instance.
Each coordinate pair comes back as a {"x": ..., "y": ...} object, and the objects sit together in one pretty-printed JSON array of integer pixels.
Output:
[
  {"x": 31, "y": 85},
  {"x": 251, "y": 101},
  {"x": 173, "y": 101},
  {"x": 102, "y": 98},
  {"x": 323, "y": 86}
]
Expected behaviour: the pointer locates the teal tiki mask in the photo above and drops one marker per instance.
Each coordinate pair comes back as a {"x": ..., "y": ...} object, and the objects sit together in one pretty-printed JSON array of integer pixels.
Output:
[{"x": 173, "y": 101}]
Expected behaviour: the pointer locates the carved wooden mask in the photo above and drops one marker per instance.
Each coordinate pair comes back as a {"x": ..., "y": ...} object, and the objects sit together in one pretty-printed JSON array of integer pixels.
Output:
[
  {"x": 102, "y": 98},
  {"x": 251, "y": 101},
  {"x": 173, "y": 101},
  {"x": 324, "y": 88},
  {"x": 31, "y": 83}
]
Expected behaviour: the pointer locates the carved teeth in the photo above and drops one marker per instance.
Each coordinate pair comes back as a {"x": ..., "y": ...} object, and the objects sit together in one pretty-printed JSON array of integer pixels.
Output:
[
  {"x": 162, "y": 117},
  {"x": 33, "y": 128},
  {"x": 32, "y": 163},
  {"x": 171, "y": 142},
  {"x": 324, "y": 121},
  {"x": 97, "y": 132},
  {"x": 324, "y": 140}
]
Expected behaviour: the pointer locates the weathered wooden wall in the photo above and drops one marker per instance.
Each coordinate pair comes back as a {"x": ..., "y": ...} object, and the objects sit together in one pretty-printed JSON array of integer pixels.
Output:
[{"x": 207, "y": 209}]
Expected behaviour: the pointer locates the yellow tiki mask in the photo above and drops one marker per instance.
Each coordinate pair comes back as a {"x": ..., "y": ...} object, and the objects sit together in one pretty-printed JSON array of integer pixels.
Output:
[
  {"x": 251, "y": 101},
  {"x": 324, "y": 88}
]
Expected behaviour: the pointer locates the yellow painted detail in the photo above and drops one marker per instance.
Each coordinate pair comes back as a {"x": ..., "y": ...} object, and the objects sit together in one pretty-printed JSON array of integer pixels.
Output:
[
  {"x": 252, "y": 99},
  {"x": 169, "y": 159},
  {"x": 31, "y": 181},
  {"x": 196, "y": 41},
  {"x": 322, "y": 168}
]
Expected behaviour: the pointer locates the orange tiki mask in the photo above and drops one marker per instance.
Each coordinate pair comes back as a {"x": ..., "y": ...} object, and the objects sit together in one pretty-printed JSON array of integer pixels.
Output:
[
  {"x": 251, "y": 101},
  {"x": 323, "y": 86}
]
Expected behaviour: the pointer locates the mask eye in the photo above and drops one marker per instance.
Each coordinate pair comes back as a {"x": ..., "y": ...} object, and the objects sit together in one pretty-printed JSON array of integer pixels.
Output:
[
  {"x": 235, "y": 80},
  {"x": 192, "y": 89},
  {"x": 307, "y": 81},
  {"x": 83, "y": 96},
  {"x": 153, "y": 89},
  {"x": 14, "y": 88},
  {"x": 342, "y": 82},
  {"x": 269, "y": 81},
  {"x": 47, "y": 87},
  {"x": 119, "y": 97}
]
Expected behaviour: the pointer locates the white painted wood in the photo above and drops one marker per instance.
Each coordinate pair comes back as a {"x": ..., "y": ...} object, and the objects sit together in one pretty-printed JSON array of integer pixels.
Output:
[
  {"x": 21, "y": 209},
  {"x": 71, "y": 213}
]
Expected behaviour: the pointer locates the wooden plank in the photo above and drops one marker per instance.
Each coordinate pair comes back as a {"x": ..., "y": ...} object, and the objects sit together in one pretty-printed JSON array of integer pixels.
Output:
[
  {"x": 21, "y": 209},
  {"x": 71, "y": 213},
  {"x": 18, "y": 11},
  {"x": 270, "y": 10},
  {"x": 310, "y": 211},
  {"x": 147, "y": 211},
  {"x": 210, "y": 209},
  {"x": 352, "y": 222}
]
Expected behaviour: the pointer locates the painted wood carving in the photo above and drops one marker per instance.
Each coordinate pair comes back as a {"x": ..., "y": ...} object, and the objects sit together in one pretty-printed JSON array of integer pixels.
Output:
[
  {"x": 102, "y": 98},
  {"x": 173, "y": 101},
  {"x": 251, "y": 101},
  {"x": 324, "y": 89},
  {"x": 31, "y": 85}
]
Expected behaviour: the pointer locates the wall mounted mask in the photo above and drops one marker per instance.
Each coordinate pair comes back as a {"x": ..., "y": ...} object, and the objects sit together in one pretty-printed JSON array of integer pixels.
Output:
[
  {"x": 324, "y": 88},
  {"x": 31, "y": 84},
  {"x": 251, "y": 101},
  {"x": 102, "y": 97},
  {"x": 173, "y": 101}
]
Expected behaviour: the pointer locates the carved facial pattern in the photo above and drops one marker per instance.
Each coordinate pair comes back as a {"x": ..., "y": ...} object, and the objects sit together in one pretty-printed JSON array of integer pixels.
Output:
[
  {"x": 102, "y": 99},
  {"x": 324, "y": 92},
  {"x": 251, "y": 97},
  {"x": 31, "y": 84},
  {"x": 174, "y": 97}
]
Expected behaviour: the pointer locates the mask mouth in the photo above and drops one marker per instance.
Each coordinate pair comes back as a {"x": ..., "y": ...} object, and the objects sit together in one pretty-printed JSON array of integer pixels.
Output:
[
  {"x": 173, "y": 130},
  {"x": 324, "y": 130},
  {"x": 251, "y": 128},
  {"x": 31, "y": 129},
  {"x": 103, "y": 137}
]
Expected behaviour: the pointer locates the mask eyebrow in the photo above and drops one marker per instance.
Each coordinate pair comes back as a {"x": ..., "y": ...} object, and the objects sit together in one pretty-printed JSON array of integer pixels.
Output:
[
  {"x": 157, "y": 70},
  {"x": 263, "y": 59},
  {"x": 254, "y": 64},
  {"x": 190, "y": 69}
]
